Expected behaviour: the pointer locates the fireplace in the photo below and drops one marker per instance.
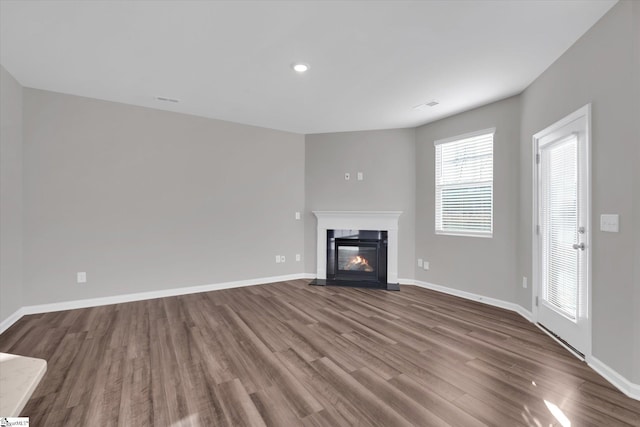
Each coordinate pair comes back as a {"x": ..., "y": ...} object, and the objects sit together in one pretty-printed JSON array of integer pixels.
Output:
[
  {"x": 359, "y": 233},
  {"x": 357, "y": 257}
]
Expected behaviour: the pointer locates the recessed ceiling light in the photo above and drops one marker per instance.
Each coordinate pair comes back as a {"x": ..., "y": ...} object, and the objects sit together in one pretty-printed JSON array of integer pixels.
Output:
[{"x": 300, "y": 67}]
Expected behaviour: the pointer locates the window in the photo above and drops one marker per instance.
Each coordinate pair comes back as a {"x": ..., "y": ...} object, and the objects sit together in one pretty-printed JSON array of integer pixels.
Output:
[{"x": 464, "y": 184}]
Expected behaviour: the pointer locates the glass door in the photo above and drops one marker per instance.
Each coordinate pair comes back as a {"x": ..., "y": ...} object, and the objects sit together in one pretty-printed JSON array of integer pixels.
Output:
[{"x": 562, "y": 230}]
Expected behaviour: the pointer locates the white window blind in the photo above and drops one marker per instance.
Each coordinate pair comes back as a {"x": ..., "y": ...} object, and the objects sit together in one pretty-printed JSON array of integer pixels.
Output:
[
  {"x": 464, "y": 184},
  {"x": 559, "y": 200}
]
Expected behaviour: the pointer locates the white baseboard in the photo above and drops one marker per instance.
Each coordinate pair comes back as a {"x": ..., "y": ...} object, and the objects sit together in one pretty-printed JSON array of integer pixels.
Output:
[
  {"x": 632, "y": 390},
  {"x": 119, "y": 299},
  {"x": 627, "y": 387},
  {"x": 473, "y": 297},
  {"x": 6, "y": 323},
  {"x": 525, "y": 313}
]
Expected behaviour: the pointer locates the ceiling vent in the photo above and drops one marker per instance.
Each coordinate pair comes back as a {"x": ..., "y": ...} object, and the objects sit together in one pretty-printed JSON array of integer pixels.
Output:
[
  {"x": 424, "y": 106},
  {"x": 165, "y": 99}
]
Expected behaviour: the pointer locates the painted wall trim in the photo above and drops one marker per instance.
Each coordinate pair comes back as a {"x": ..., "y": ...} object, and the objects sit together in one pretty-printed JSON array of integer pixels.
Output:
[
  {"x": 471, "y": 296},
  {"x": 119, "y": 299},
  {"x": 621, "y": 383},
  {"x": 630, "y": 389},
  {"x": 624, "y": 385},
  {"x": 6, "y": 323}
]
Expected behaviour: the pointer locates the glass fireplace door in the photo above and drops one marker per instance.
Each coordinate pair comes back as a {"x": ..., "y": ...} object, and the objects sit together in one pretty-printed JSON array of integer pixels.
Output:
[{"x": 356, "y": 259}]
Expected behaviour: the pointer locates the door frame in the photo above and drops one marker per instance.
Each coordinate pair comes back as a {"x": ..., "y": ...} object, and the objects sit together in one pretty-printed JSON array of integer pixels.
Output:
[{"x": 585, "y": 112}]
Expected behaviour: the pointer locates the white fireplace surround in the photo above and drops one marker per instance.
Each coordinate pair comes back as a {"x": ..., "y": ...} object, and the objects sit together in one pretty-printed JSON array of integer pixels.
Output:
[{"x": 358, "y": 220}]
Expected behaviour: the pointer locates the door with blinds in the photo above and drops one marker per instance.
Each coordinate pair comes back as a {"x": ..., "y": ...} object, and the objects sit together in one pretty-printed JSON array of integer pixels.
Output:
[{"x": 561, "y": 259}]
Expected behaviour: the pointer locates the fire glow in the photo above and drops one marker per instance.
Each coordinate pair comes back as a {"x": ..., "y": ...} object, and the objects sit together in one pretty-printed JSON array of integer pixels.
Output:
[{"x": 359, "y": 263}]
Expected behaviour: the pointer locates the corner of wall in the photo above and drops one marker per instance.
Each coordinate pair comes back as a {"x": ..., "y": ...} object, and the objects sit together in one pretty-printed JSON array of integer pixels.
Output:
[
  {"x": 11, "y": 196},
  {"x": 636, "y": 75},
  {"x": 491, "y": 265},
  {"x": 576, "y": 78},
  {"x": 386, "y": 157}
]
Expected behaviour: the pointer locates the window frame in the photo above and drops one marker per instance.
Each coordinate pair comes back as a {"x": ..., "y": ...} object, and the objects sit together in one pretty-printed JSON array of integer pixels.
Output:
[{"x": 454, "y": 139}]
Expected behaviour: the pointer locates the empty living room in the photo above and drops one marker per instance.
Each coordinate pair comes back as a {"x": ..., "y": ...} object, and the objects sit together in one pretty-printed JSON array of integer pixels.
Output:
[{"x": 320, "y": 213}]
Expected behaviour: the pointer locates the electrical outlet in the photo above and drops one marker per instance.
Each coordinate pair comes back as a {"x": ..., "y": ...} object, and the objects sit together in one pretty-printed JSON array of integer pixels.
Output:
[
  {"x": 298, "y": 257},
  {"x": 360, "y": 176},
  {"x": 282, "y": 258},
  {"x": 425, "y": 265},
  {"x": 347, "y": 176},
  {"x": 524, "y": 282},
  {"x": 297, "y": 215},
  {"x": 278, "y": 259},
  {"x": 419, "y": 262},
  {"x": 81, "y": 277}
]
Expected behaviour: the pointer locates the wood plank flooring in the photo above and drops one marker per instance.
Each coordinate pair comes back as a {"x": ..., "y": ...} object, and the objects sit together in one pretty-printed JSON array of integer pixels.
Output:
[{"x": 289, "y": 354}]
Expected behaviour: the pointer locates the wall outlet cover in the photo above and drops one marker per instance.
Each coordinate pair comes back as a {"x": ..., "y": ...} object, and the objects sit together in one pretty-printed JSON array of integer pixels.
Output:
[{"x": 419, "y": 262}]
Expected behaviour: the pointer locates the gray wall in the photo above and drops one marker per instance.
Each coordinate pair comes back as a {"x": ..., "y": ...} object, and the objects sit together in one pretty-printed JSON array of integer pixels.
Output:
[
  {"x": 10, "y": 195},
  {"x": 597, "y": 69},
  {"x": 386, "y": 158},
  {"x": 145, "y": 200},
  {"x": 485, "y": 266}
]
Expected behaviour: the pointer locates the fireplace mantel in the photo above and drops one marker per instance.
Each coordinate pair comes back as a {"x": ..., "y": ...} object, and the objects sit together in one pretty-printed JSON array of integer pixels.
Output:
[{"x": 358, "y": 220}]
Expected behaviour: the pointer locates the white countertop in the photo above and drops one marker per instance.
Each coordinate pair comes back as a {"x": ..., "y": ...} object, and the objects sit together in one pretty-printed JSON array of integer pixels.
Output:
[{"x": 19, "y": 377}]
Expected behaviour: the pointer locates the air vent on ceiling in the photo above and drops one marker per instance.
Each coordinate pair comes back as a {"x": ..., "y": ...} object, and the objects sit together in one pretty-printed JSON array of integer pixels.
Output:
[
  {"x": 165, "y": 99},
  {"x": 421, "y": 107}
]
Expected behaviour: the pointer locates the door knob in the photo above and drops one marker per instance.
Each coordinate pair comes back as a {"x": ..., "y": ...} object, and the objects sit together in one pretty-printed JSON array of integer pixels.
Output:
[{"x": 578, "y": 246}]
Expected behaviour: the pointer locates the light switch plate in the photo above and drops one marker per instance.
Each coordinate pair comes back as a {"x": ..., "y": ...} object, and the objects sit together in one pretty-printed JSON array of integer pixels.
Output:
[
  {"x": 297, "y": 215},
  {"x": 610, "y": 223},
  {"x": 360, "y": 176},
  {"x": 419, "y": 262},
  {"x": 81, "y": 277}
]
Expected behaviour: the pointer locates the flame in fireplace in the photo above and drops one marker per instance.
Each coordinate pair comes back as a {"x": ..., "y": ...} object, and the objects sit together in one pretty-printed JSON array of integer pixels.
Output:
[{"x": 359, "y": 263}]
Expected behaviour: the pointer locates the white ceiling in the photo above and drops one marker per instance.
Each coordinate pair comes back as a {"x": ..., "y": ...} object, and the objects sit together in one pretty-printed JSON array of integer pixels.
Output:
[{"x": 371, "y": 61}]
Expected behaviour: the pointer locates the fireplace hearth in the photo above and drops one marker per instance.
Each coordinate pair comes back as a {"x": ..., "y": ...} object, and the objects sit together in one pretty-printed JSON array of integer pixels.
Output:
[
  {"x": 357, "y": 258},
  {"x": 343, "y": 224}
]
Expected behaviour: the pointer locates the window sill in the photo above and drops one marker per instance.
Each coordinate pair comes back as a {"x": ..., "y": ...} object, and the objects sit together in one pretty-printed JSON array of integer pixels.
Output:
[{"x": 464, "y": 234}]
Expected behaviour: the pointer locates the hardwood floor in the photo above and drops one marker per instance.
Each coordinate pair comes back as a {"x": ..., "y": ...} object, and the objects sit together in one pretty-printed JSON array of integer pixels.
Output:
[{"x": 289, "y": 354}]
